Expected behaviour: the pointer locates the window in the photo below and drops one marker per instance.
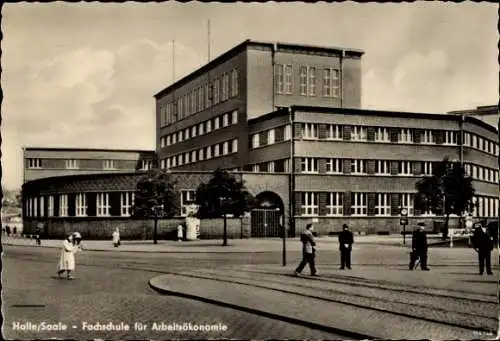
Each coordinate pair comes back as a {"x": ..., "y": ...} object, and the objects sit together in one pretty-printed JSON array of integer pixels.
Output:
[
  {"x": 311, "y": 81},
  {"x": 174, "y": 161},
  {"x": 303, "y": 80},
  {"x": 405, "y": 168},
  {"x": 405, "y": 136},
  {"x": 180, "y": 136},
  {"x": 194, "y": 131},
  {"x": 234, "y": 117},
  {"x": 208, "y": 152},
  {"x": 427, "y": 137},
  {"x": 382, "y": 204},
  {"x": 234, "y": 148},
  {"x": 310, "y": 204},
  {"x": 288, "y": 132},
  {"x": 72, "y": 164},
  {"x": 467, "y": 169},
  {"x": 334, "y": 132},
  {"x": 180, "y": 160},
  {"x": 216, "y": 150},
  {"x": 474, "y": 172},
  {"x": 208, "y": 95},
  {"x": 146, "y": 164},
  {"x": 174, "y": 138},
  {"x": 225, "y": 148},
  {"x": 216, "y": 91},
  {"x": 309, "y": 165},
  {"x": 225, "y": 87},
  {"x": 81, "y": 205},
  {"x": 474, "y": 141},
  {"x": 359, "y": 206},
  {"x": 225, "y": 120},
  {"x": 102, "y": 204},
  {"x": 187, "y": 134},
  {"x": 358, "y": 166},
  {"x": 208, "y": 126},
  {"x": 270, "y": 167},
  {"x": 307, "y": 81},
  {"x": 467, "y": 139},
  {"x": 200, "y": 128},
  {"x": 288, "y": 80},
  {"x": 358, "y": 133},
  {"x": 188, "y": 202},
  {"x": 193, "y": 156},
  {"x": 35, "y": 207},
  {"x": 201, "y": 154},
  {"x": 168, "y": 140},
  {"x": 126, "y": 203},
  {"x": 382, "y": 167},
  {"x": 427, "y": 168},
  {"x": 187, "y": 158},
  {"x": 108, "y": 164},
  {"x": 50, "y": 206},
  {"x": 271, "y": 136},
  {"x": 382, "y": 135},
  {"x": 406, "y": 201},
  {"x": 255, "y": 140},
  {"x": 331, "y": 83},
  {"x": 234, "y": 83},
  {"x": 162, "y": 142},
  {"x": 42, "y": 206},
  {"x": 280, "y": 83},
  {"x": 163, "y": 163},
  {"x": 28, "y": 207},
  {"x": 34, "y": 163},
  {"x": 309, "y": 131},
  {"x": 334, "y": 204},
  {"x": 450, "y": 137},
  {"x": 334, "y": 166}
]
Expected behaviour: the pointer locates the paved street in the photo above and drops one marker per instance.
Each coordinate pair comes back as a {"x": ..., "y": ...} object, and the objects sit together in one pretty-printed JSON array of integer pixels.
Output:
[{"x": 113, "y": 287}]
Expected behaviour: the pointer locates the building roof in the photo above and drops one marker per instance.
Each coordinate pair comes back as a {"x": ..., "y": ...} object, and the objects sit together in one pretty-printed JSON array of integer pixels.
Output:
[
  {"x": 87, "y": 150},
  {"x": 479, "y": 111},
  {"x": 243, "y": 46}
]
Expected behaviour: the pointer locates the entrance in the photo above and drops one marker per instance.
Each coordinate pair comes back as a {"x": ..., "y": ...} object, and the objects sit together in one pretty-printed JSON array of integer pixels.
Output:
[{"x": 267, "y": 217}]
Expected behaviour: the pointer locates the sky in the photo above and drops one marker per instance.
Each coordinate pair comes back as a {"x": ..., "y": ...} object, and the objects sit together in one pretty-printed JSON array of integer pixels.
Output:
[{"x": 83, "y": 75}]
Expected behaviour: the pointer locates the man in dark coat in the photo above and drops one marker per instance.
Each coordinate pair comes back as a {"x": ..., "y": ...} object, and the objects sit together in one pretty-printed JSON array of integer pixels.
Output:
[
  {"x": 482, "y": 241},
  {"x": 345, "y": 246},
  {"x": 308, "y": 251},
  {"x": 419, "y": 248}
]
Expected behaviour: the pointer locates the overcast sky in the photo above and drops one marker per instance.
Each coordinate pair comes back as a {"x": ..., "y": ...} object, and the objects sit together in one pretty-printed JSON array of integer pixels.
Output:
[{"x": 83, "y": 75}]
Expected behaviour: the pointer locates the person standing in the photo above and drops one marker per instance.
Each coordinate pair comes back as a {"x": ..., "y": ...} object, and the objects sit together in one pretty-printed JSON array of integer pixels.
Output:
[
  {"x": 346, "y": 240},
  {"x": 67, "y": 257},
  {"x": 308, "y": 251},
  {"x": 482, "y": 241},
  {"x": 116, "y": 237},
  {"x": 180, "y": 232},
  {"x": 419, "y": 247}
]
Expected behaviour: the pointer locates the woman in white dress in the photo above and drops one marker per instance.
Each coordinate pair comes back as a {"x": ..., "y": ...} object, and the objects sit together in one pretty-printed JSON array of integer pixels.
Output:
[
  {"x": 67, "y": 257},
  {"x": 116, "y": 237}
]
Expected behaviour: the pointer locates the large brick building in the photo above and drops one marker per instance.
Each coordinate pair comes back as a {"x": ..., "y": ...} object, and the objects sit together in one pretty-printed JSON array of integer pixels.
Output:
[{"x": 287, "y": 120}]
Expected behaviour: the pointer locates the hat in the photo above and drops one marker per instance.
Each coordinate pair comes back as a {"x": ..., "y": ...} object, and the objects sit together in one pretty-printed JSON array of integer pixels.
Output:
[{"x": 77, "y": 235}]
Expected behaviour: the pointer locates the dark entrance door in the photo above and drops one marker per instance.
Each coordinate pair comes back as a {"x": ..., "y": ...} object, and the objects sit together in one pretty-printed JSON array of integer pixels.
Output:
[{"x": 265, "y": 222}]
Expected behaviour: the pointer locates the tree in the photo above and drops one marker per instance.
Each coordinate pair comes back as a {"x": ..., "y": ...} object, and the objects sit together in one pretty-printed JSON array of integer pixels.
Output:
[
  {"x": 448, "y": 191},
  {"x": 223, "y": 194},
  {"x": 155, "y": 197}
]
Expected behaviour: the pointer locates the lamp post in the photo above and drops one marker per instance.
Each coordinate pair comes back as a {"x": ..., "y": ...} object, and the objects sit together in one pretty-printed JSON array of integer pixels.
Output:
[
  {"x": 222, "y": 201},
  {"x": 157, "y": 211}
]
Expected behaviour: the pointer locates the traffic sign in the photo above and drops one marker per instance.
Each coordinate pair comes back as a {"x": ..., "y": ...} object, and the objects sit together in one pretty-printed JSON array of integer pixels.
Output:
[
  {"x": 403, "y": 221},
  {"x": 404, "y": 212}
]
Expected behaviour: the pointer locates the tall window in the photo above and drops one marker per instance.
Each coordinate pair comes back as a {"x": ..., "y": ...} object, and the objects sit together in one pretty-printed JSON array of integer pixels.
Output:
[
  {"x": 146, "y": 164},
  {"x": 405, "y": 168},
  {"x": 208, "y": 152},
  {"x": 234, "y": 117},
  {"x": 108, "y": 164},
  {"x": 331, "y": 83},
  {"x": 309, "y": 131},
  {"x": 382, "y": 204},
  {"x": 427, "y": 168},
  {"x": 382, "y": 135},
  {"x": 358, "y": 166},
  {"x": 359, "y": 206},
  {"x": 358, "y": 133},
  {"x": 334, "y": 166},
  {"x": 102, "y": 204},
  {"x": 225, "y": 120},
  {"x": 288, "y": 80},
  {"x": 194, "y": 131},
  {"x": 255, "y": 141},
  {"x": 283, "y": 79},
  {"x": 194, "y": 154},
  {"x": 35, "y": 207},
  {"x": 200, "y": 128},
  {"x": 450, "y": 137},
  {"x": 382, "y": 167},
  {"x": 271, "y": 136},
  {"x": 208, "y": 95},
  {"x": 216, "y": 91},
  {"x": 126, "y": 203},
  {"x": 208, "y": 126},
  {"x": 334, "y": 132},
  {"x": 42, "y": 206},
  {"x": 201, "y": 154},
  {"x": 72, "y": 164},
  {"x": 334, "y": 204},
  {"x": 188, "y": 202},
  {"x": 63, "y": 205},
  {"x": 234, "y": 82},
  {"x": 225, "y": 87},
  {"x": 34, "y": 163},
  {"x": 427, "y": 137},
  {"x": 234, "y": 148},
  {"x": 307, "y": 76},
  {"x": 163, "y": 164},
  {"x": 405, "y": 136},
  {"x": 467, "y": 139},
  {"x": 288, "y": 132},
  {"x": 310, "y": 204},
  {"x": 81, "y": 205},
  {"x": 309, "y": 165},
  {"x": 406, "y": 201},
  {"x": 50, "y": 206},
  {"x": 225, "y": 148}
]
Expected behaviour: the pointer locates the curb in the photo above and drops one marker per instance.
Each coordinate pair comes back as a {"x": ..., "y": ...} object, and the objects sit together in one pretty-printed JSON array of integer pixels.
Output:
[{"x": 296, "y": 321}]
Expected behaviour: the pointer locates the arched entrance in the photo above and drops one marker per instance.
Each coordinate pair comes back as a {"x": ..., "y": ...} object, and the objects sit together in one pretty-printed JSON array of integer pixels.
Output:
[{"x": 267, "y": 218}]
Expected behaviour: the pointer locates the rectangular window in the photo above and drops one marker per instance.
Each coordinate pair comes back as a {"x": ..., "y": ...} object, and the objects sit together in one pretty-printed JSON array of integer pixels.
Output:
[
  {"x": 474, "y": 143},
  {"x": 303, "y": 80},
  {"x": 180, "y": 136},
  {"x": 187, "y": 158},
  {"x": 34, "y": 163},
  {"x": 194, "y": 131},
  {"x": 405, "y": 168},
  {"x": 309, "y": 131},
  {"x": 208, "y": 126},
  {"x": 225, "y": 148},
  {"x": 50, "y": 206},
  {"x": 234, "y": 117},
  {"x": 427, "y": 168},
  {"x": 180, "y": 160},
  {"x": 208, "y": 152},
  {"x": 427, "y": 137},
  {"x": 450, "y": 137},
  {"x": 208, "y": 96},
  {"x": 255, "y": 140},
  {"x": 234, "y": 149},
  {"x": 358, "y": 166},
  {"x": 42, "y": 206},
  {"x": 126, "y": 203},
  {"x": 334, "y": 132},
  {"x": 382, "y": 204},
  {"x": 331, "y": 83},
  {"x": 187, "y": 134},
  {"x": 200, "y": 128},
  {"x": 102, "y": 205},
  {"x": 174, "y": 138},
  {"x": 188, "y": 202},
  {"x": 270, "y": 167},
  {"x": 406, "y": 201},
  {"x": 288, "y": 80},
  {"x": 163, "y": 164},
  {"x": 216, "y": 150},
  {"x": 359, "y": 205},
  {"x": 225, "y": 120},
  {"x": 382, "y": 135},
  {"x": 382, "y": 167},
  {"x": 193, "y": 156},
  {"x": 467, "y": 139},
  {"x": 256, "y": 168},
  {"x": 174, "y": 161},
  {"x": 35, "y": 207},
  {"x": 311, "y": 81},
  {"x": 108, "y": 164},
  {"x": 405, "y": 135},
  {"x": 288, "y": 132},
  {"x": 334, "y": 166},
  {"x": 358, "y": 133},
  {"x": 168, "y": 140},
  {"x": 72, "y": 164},
  {"x": 310, "y": 204},
  {"x": 234, "y": 83},
  {"x": 271, "y": 136},
  {"x": 216, "y": 93},
  {"x": 162, "y": 142},
  {"x": 309, "y": 165},
  {"x": 81, "y": 205},
  {"x": 334, "y": 204},
  {"x": 280, "y": 84},
  {"x": 201, "y": 155}
]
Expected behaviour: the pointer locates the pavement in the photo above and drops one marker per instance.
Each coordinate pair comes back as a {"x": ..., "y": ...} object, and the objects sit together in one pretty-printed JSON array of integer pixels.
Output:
[{"x": 363, "y": 303}]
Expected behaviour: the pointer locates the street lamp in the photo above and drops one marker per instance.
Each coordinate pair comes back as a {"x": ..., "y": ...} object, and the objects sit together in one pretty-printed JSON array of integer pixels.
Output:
[
  {"x": 222, "y": 201},
  {"x": 157, "y": 211}
]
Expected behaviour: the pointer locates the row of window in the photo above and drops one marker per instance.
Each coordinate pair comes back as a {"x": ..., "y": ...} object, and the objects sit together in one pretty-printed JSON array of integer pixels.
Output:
[
  {"x": 36, "y": 163},
  {"x": 201, "y": 154},
  {"x": 381, "y": 205},
  {"x": 35, "y": 206},
  {"x": 481, "y": 173},
  {"x": 220, "y": 89},
  {"x": 480, "y": 143},
  {"x": 276, "y": 166},
  {"x": 271, "y": 136},
  {"x": 199, "y": 129},
  {"x": 308, "y": 80}
]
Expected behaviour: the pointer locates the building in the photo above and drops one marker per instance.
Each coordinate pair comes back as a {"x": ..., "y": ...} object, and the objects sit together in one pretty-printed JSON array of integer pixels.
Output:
[{"x": 287, "y": 120}]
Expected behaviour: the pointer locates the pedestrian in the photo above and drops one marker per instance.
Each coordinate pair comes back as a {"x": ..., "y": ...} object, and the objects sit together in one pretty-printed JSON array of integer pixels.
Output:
[
  {"x": 419, "y": 247},
  {"x": 7, "y": 229},
  {"x": 67, "y": 257},
  {"x": 180, "y": 233},
  {"x": 346, "y": 240},
  {"x": 116, "y": 237},
  {"x": 308, "y": 251},
  {"x": 482, "y": 241}
]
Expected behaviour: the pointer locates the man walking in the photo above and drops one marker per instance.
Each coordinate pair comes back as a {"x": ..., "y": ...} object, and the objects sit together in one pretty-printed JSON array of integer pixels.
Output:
[
  {"x": 419, "y": 248},
  {"x": 308, "y": 251},
  {"x": 345, "y": 246},
  {"x": 483, "y": 244}
]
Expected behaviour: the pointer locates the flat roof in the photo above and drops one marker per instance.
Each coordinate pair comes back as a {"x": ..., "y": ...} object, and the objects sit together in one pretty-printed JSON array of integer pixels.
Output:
[
  {"x": 242, "y": 46},
  {"x": 87, "y": 150}
]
